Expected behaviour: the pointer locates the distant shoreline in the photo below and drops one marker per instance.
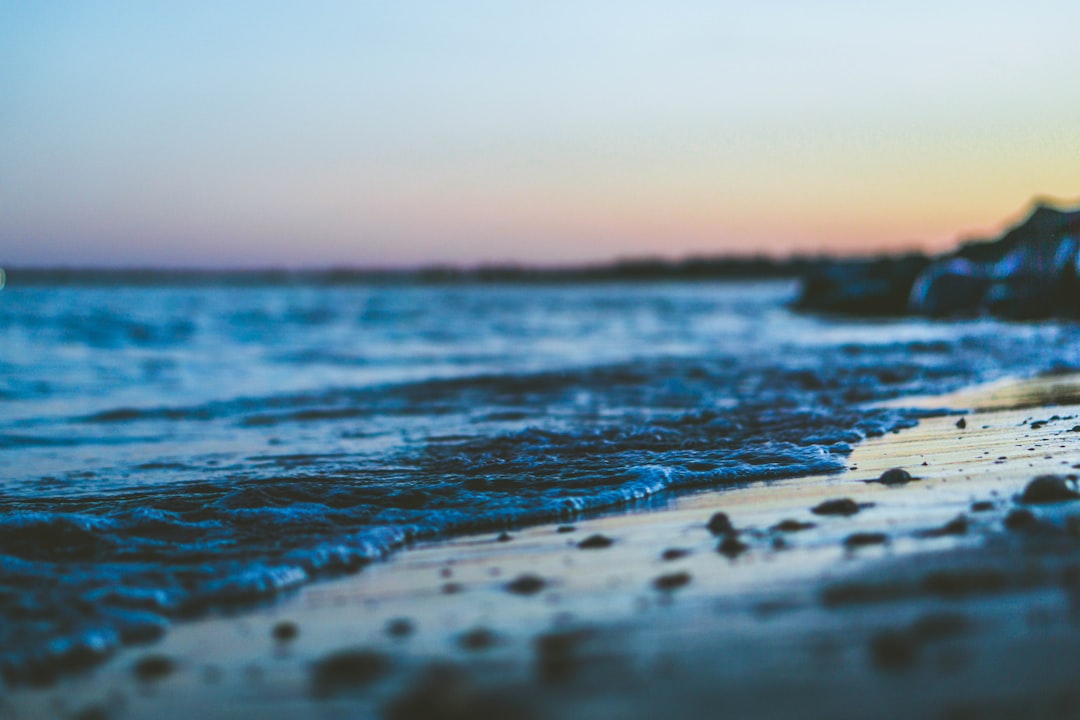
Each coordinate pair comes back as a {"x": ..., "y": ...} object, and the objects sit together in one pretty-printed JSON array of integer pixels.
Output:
[{"x": 645, "y": 270}]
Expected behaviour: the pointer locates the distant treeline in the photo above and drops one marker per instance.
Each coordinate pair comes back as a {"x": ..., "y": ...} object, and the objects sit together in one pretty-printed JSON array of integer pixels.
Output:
[{"x": 639, "y": 270}]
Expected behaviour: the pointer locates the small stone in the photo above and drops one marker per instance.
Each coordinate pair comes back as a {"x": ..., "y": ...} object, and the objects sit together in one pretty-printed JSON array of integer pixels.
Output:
[
  {"x": 347, "y": 669},
  {"x": 596, "y": 542},
  {"x": 565, "y": 529},
  {"x": 1020, "y": 519},
  {"x": 672, "y": 581},
  {"x": 478, "y": 639},
  {"x": 1048, "y": 489},
  {"x": 895, "y": 476},
  {"x": 451, "y": 588},
  {"x": 841, "y": 506},
  {"x": 673, "y": 554},
  {"x": 526, "y": 585},
  {"x": 793, "y": 526},
  {"x": 400, "y": 627},
  {"x": 557, "y": 654},
  {"x": 866, "y": 538},
  {"x": 892, "y": 650},
  {"x": 961, "y": 423},
  {"x": 982, "y": 506},
  {"x": 504, "y": 537},
  {"x": 153, "y": 667},
  {"x": 732, "y": 546},
  {"x": 720, "y": 524},
  {"x": 285, "y": 631}
]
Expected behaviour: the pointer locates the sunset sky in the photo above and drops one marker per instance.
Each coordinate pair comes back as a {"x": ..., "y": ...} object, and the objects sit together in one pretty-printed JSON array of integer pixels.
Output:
[{"x": 214, "y": 134}]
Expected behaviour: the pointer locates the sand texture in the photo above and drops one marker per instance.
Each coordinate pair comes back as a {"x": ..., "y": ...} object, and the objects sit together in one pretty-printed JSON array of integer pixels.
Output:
[{"x": 946, "y": 596}]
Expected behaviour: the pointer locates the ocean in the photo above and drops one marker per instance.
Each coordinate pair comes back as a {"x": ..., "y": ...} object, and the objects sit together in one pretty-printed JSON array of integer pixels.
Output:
[{"x": 175, "y": 450}]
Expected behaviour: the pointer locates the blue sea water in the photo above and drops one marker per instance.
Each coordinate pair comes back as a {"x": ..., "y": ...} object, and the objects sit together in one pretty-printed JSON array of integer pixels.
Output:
[{"x": 167, "y": 451}]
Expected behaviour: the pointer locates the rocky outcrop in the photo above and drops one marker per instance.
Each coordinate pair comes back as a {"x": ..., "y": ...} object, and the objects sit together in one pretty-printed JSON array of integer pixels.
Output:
[{"x": 1030, "y": 272}]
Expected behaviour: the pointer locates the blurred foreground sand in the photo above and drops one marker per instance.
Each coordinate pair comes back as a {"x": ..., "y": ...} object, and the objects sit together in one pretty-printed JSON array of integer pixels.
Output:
[{"x": 900, "y": 610}]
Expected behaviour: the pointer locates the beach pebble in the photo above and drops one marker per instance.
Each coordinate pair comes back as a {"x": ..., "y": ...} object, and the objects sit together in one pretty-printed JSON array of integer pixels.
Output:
[
  {"x": 504, "y": 537},
  {"x": 982, "y": 506},
  {"x": 1048, "y": 489},
  {"x": 565, "y": 529},
  {"x": 840, "y": 506},
  {"x": 719, "y": 524},
  {"x": 478, "y": 639},
  {"x": 895, "y": 476},
  {"x": 345, "y": 669},
  {"x": 153, "y": 667},
  {"x": 400, "y": 627},
  {"x": 865, "y": 538},
  {"x": 892, "y": 650},
  {"x": 444, "y": 692},
  {"x": 595, "y": 542},
  {"x": 526, "y": 585},
  {"x": 557, "y": 654},
  {"x": 672, "y": 581},
  {"x": 957, "y": 526},
  {"x": 732, "y": 546},
  {"x": 674, "y": 554},
  {"x": 1020, "y": 519},
  {"x": 285, "y": 631},
  {"x": 792, "y": 526},
  {"x": 961, "y": 423}
]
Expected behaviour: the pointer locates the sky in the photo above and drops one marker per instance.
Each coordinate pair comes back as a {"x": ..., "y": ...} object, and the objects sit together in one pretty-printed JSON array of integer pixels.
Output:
[{"x": 404, "y": 133}]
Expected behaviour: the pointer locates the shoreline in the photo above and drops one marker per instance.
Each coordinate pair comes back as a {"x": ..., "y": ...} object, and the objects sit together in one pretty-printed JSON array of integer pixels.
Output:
[{"x": 877, "y": 614}]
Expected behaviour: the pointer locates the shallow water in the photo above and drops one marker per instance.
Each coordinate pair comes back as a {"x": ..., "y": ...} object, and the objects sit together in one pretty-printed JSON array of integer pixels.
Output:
[{"x": 164, "y": 451}]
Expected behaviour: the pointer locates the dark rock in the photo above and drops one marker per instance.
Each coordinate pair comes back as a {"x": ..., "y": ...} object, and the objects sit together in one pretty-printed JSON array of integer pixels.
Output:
[
  {"x": 452, "y": 588},
  {"x": 149, "y": 668},
  {"x": 400, "y": 627},
  {"x": 478, "y": 639},
  {"x": 957, "y": 526},
  {"x": 558, "y": 654},
  {"x": 895, "y": 476},
  {"x": 504, "y": 537},
  {"x": 443, "y": 692},
  {"x": 672, "y": 581},
  {"x": 526, "y": 585},
  {"x": 1020, "y": 519},
  {"x": 841, "y": 506},
  {"x": 965, "y": 583},
  {"x": 982, "y": 506},
  {"x": 865, "y": 538},
  {"x": 1048, "y": 489},
  {"x": 595, "y": 542},
  {"x": 961, "y": 423},
  {"x": 285, "y": 631},
  {"x": 893, "y": 650},
  {"x": 565, "y": 529},
  {"x": 1030, "y": 272},
  {"x": 719, "y": 524},
  {"x": 792, "y": 526},
  {"x": 92, "y": 712},
  {"x": 347, "y": 670},
  {"x": 861, "y": 287},
  {"x": 732, "y": 546},
  {"x": 674, "y": 554}
]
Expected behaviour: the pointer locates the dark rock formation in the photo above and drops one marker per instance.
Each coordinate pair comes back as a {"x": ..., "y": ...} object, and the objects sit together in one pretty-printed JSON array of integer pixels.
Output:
[{"x": 1031, "y": 272}]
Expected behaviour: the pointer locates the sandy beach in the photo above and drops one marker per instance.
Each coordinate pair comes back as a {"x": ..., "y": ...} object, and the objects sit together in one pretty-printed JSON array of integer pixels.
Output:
[{"x": 946, "y": 596}]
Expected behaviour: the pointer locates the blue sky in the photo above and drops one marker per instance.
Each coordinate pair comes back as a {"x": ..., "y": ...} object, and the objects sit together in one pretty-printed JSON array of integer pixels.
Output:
[{"x": 313, "y": 134}]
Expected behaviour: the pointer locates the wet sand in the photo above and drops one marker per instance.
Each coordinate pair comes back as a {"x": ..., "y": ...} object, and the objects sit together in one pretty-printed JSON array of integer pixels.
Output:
[{"x": 941, "y": 597}]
